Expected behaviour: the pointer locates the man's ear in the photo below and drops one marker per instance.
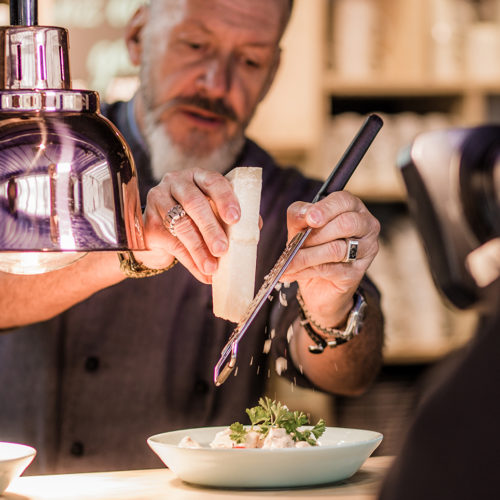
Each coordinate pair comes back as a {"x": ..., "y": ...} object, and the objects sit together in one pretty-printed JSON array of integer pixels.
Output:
[
  {"x": 133, "y": 34},
  {"x": 272, "y": 74}
]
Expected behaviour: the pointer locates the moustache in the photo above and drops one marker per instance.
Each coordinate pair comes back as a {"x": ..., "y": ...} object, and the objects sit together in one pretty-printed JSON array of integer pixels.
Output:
[{"x": 216, "y": 106}]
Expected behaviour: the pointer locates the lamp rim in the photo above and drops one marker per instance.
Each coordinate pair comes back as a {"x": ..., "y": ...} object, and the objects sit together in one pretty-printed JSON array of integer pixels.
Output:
[{"x": 76, "y": 101}]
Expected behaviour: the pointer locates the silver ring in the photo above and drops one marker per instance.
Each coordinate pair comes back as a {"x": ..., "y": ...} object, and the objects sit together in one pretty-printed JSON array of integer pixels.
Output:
[
  {"x": 352, "y": 250},
  {"x": 173, "y": 215}
]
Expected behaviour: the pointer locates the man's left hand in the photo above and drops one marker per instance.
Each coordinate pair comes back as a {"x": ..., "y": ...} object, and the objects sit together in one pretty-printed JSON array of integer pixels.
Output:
[{"x": 326, "y": 282}]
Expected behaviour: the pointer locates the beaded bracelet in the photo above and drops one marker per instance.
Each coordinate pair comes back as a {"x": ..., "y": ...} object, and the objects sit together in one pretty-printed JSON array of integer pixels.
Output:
[{"x": 332, "y": 337}]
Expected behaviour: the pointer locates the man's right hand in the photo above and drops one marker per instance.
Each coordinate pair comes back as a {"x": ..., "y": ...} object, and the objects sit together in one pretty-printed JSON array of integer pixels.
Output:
[{"x": 200, "y": 237}]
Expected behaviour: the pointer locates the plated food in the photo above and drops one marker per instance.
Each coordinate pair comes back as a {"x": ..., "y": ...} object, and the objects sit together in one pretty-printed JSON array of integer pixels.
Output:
[
  {"x": 337, "y": 455},
  {"x": 273, "y": 426}
]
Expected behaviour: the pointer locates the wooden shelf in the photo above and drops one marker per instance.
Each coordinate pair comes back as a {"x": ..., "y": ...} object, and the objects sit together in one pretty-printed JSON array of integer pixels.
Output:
[
  {"x": 380, "y": 86},
  {"x": 418, "y": 353},
  {"x": 334, "y": 85}
]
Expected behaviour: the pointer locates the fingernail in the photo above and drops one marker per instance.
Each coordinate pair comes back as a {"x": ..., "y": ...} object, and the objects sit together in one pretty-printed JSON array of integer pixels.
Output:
[
  {"x": 209, "y": 266},
  {"x": 314, "y": 216},
  {"x": 219, "y": 247},
  {"x": 303, "y": 211},
  {"x": 232, "y": 215}
]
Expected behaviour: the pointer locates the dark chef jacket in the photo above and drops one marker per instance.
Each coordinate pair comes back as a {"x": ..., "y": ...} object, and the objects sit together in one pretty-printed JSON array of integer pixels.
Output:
[{"x": 88, "y": 387}]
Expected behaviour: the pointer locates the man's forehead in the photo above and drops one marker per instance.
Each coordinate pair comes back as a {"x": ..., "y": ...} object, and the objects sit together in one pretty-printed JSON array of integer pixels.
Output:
[
  {"x": 256, "y": 4},
  {"x": 265, "y": 15}
]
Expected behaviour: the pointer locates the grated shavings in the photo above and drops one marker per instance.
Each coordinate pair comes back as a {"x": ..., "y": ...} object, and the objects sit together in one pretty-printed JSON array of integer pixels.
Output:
[
  {"x": 273, "y": 333},
  {"x": 267, "y": 346},
  {"x": 281, "y": 365},
  {"x": 283, "y": 300},
  {"x": 289, "y": 334}
]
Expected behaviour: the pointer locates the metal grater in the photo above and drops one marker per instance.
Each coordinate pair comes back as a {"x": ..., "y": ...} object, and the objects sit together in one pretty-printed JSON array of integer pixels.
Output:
[{"x": 335, "y": 182}]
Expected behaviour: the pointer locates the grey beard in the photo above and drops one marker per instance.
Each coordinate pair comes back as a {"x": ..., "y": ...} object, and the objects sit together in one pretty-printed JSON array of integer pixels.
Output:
[{"x": 167, "y": 157}]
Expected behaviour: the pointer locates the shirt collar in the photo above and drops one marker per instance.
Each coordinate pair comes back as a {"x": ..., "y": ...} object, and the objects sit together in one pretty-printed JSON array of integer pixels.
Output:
[{"x": 134, "y": 127}]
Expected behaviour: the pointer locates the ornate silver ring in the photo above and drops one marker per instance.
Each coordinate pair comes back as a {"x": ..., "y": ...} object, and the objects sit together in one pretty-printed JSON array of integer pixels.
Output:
[
  {"x": 352, "y": 250},
  {"x": 173, "y": 215}
]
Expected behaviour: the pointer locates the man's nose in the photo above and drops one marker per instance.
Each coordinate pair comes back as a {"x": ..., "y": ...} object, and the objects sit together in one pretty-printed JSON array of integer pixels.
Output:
[{"x": 215, "y": 80}]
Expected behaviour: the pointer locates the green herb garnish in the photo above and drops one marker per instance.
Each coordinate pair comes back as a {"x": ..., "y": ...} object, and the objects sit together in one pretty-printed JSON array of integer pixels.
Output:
[
  {"x": 238, "y": 432},
  {"x": 271, "y": 414}
]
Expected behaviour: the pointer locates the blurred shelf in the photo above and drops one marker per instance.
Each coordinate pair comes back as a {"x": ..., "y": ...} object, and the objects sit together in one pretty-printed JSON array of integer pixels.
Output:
[
  {"x": 381, "y": 196},
  {"x": 417, "y": 353},
  {"x": 383, "y": 86}
]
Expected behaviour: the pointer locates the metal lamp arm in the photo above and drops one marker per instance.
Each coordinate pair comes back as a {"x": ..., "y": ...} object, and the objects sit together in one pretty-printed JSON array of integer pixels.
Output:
[{"x": 24, "y": 12}]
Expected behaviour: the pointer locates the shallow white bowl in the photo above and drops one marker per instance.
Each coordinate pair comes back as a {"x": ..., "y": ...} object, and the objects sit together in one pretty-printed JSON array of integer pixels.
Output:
[
  {"x": 341, "y": 454},
  {"x": 14, "y": 458}
]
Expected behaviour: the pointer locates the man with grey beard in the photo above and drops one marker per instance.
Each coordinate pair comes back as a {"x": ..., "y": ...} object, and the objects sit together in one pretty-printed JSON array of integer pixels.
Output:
[{"x": 107, "y": 361}]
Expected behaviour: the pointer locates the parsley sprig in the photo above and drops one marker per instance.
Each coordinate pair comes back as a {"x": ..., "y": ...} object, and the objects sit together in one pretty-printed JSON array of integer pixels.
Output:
[
  {"x": 238, "y": 433},
  {"x": 271, "y": 414}
]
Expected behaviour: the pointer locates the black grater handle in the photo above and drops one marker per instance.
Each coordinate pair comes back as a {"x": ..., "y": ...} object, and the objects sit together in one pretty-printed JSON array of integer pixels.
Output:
[{"x": 337, "y": 180}]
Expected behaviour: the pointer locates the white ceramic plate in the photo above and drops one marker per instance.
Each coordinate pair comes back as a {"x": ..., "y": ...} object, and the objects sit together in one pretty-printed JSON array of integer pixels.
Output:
[
  {"x": 14, "y": 458},
  {"x": 341, "y": 454}
]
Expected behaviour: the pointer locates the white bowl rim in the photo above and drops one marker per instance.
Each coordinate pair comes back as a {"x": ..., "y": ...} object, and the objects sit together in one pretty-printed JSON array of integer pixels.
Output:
[
  {"x": 372, "y": 437},
  {"x": 23, "y": 451}
]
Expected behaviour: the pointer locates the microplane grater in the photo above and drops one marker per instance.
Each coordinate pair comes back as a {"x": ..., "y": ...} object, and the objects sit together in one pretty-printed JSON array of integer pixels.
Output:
[{"x": 335, "y": 182}]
